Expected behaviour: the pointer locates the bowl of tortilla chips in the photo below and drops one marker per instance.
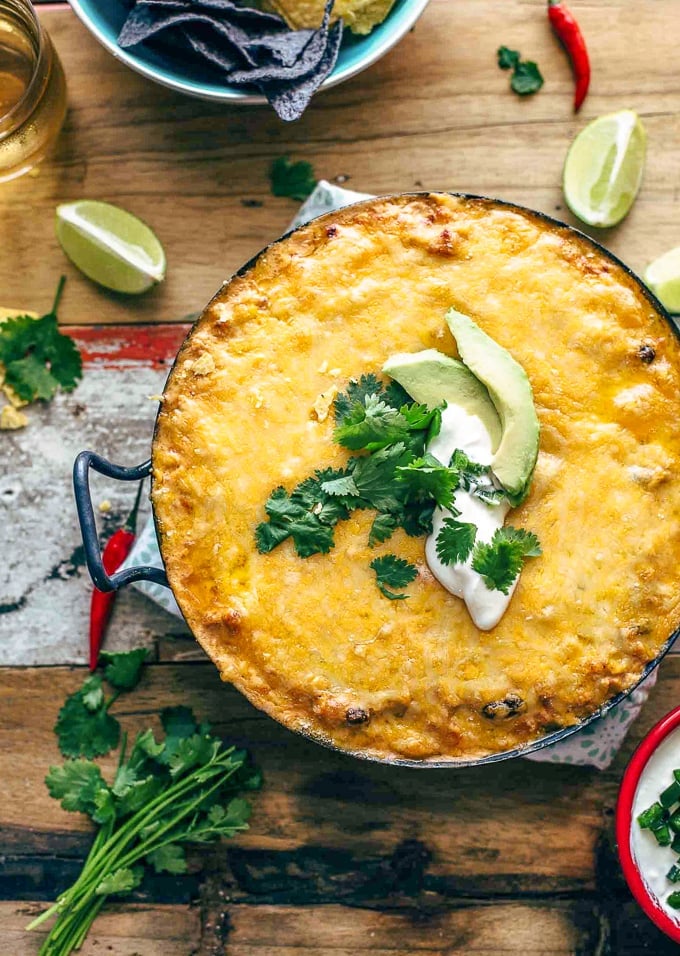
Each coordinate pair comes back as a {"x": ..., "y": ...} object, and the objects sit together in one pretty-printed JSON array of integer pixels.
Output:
[{"x": 230, "y": 51}]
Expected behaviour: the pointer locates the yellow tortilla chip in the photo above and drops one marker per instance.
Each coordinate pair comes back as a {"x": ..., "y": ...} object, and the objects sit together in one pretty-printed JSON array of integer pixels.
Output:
[{"x": 359, "y": 15}]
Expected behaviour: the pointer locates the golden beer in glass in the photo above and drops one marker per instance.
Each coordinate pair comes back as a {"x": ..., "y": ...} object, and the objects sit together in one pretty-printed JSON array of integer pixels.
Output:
[{"x": 32, "y": 90}]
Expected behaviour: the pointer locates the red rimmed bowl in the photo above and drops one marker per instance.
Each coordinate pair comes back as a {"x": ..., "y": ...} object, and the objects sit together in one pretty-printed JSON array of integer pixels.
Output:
[{"x": 626, "y": 811}]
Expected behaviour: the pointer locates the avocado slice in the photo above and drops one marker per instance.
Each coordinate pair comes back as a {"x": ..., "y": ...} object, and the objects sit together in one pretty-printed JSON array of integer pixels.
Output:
[
  {"x": 430, "y": 377},
  {"x": 510, "y": 390}
]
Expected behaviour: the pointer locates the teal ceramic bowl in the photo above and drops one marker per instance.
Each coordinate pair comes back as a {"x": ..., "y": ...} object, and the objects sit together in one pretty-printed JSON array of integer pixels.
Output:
[{"x": 104, "y": 19}]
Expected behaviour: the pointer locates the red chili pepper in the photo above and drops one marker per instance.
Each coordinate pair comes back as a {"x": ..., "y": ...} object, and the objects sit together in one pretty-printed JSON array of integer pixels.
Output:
[
  {"x": 116, "y": 551},
  {"x": 569, "y": 33}
]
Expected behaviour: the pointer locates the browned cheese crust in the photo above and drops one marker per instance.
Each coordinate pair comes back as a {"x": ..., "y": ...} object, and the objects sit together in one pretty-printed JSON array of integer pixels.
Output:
[{"x": 246, "y": 408}]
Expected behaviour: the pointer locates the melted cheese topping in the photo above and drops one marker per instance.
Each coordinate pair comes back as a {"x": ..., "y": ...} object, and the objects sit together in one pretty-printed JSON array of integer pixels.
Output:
[{"x": 312, "y": 641}]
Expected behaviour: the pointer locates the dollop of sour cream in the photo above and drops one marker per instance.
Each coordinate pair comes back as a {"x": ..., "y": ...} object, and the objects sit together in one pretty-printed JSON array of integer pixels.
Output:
[
  {"x": 468, "y": 433},
  {"x": 654, "y": 861}
]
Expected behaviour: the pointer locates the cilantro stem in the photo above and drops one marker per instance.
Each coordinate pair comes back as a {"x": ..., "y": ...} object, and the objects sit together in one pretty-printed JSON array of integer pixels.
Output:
[{"x": 57, "y": 296}]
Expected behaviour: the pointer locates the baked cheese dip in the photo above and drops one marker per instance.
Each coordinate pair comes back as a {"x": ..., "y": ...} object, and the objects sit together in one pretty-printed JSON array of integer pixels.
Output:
[{"x": 351, "y": 638}]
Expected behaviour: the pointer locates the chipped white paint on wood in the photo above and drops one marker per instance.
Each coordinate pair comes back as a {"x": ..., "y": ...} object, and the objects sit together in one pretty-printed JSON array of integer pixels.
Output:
[{"x": 44, "y": 587}]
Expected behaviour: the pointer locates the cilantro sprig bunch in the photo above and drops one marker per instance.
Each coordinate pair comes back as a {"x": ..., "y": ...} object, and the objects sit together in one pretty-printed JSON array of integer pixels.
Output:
[
  {"x": 182, "y": 788},
  {"x": 395, "y": 476}
]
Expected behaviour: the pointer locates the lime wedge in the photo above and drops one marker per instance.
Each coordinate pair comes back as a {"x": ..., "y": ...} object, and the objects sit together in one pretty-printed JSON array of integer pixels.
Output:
[
  {"x": 111, "y": 246},
  {"x": 663, "y": 278},
  {"x": 603, "y": 169}
]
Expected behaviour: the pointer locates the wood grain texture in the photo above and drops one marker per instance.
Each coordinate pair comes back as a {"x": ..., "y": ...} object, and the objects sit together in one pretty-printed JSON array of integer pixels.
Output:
[
  {"x": 435, "y": 113},
  {"x": 343, "y": 857},
  {"x": 340, "y": 849}
]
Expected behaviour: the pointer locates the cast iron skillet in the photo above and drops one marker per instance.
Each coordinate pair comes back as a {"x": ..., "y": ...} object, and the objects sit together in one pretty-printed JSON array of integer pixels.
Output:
[{"x": 105, "y": 582}]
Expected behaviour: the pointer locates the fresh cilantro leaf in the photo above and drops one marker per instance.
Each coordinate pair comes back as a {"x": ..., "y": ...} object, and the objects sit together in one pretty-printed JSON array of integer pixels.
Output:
[
  {"x": 328, "y": 508},
  {"x": 371, "y": 425},
  {"x": 357, "y": 391},
  {"x": 345, "y": 485},
  {"x": 170, "y": 858},
  {"x": 120, "y": 881},
  {"x": 393, "y": 572},
  {"x": 527, "y": 540},
  {"x": 289, "y": 518},
  {"x": 124, "y": 670},
  {"x": 455, "y": 540},
  {"x": 416, "y": 518},
  {"x": 191, "y": 751},
  {"x": 85, "y": 733},
  {"x": 76, "y": 784},
  {"x": 139, "y": 794},
  {"x": 427, "y": 478},
  {"x": 268, "y": 535},
  {"x": 38, "y": 359},
  {"x": 382, "y": 528},
  {"x": 395, "y": 395},
  {"x": 31, "y": 379},
  {"x": 146, "y": 745},
  {"x": 419, "y": 416},
  {"x": 500, "y": 561},
  {"x": 374, "y": 477},
  {"x": 92, "y": 693},
  {"x": 526, "y": 78},
  {"x": 507, "y": 59},
  {"x": 310, "y": 536},
  {"x": 178, "y": 723},
  {"x": 466, "y": 466},
  {"x": 105, "y": 806},
  {"x": 292, "y": 180}
]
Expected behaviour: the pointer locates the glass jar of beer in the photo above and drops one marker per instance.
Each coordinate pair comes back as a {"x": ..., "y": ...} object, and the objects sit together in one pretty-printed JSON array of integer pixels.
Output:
[{"x": 32, "y": 90}]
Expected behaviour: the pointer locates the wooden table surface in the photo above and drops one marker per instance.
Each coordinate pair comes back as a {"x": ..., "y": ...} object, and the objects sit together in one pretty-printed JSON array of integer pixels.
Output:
[{"x": 343, "y": 857}]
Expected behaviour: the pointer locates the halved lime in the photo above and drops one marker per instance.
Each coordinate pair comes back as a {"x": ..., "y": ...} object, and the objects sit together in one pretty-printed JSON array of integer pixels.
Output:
[
  {"x": 663, "y": 278},
  {"x": 111, "y": 246},
  {"x": 603, "y": 169}
]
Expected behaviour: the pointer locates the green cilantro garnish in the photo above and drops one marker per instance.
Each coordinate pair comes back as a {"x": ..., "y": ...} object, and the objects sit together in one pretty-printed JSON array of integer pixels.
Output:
[
  {"x": 307, "y": 516},
  {"x": 37, "y": 358},
  {"x": 426, "y": 477},
  {"x": 500, "y": 561},
  {"x": 455, "y": 540},
  {"x": 394, "y": 476},
  {"x": 383, "y": 527},
  {"x": 507, "y": 59},
  {"x": 124, "y": 670},
  {"x": 526, "y": 77},
  {"x": 84, "y": 730},
  {"x": 165, "y": 794},
  {"x": 393, "y": 572},
  {"x": 84, "y": 727},
  {"x": 120, "y": 882},
  {"x": 76, "y": 785},
  {"x": 371, "y": 424},
  {"x": 292, "y": 180}
]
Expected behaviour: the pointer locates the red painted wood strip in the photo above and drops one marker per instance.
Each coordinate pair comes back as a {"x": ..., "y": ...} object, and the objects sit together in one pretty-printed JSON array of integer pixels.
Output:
[{"x": 118, "y": 346}]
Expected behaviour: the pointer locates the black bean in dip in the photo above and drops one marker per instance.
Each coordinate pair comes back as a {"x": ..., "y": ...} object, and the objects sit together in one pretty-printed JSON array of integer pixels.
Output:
[
  {"x": 508, "y": 706},
  {"x": 356, "y": 715},
  {"x": 647, "y": 354}
]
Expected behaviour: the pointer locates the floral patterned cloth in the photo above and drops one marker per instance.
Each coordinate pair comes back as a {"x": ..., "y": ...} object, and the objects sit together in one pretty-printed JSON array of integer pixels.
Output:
[{"x": 595, "y": 745}]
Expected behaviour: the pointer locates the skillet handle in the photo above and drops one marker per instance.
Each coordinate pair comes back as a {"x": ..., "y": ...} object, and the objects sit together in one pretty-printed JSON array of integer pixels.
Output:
[{"x": 88, "y": 526}]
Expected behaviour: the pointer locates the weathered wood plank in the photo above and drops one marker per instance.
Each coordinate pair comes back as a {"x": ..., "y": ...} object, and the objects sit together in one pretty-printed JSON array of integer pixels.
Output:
[
  {"x": 119, "y": 931},
  {"x": 328, "y": 827},
  {"x": 434, "y": 113},
  {"x": 43, "y": 561},
  {"x": 537, "y": 928}
]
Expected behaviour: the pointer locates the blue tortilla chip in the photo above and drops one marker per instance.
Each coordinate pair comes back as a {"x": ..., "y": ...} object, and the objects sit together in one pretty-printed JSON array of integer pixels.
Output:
[
  {"x": 245, "y": 46},
  {"x": 291, "y": 99}
]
